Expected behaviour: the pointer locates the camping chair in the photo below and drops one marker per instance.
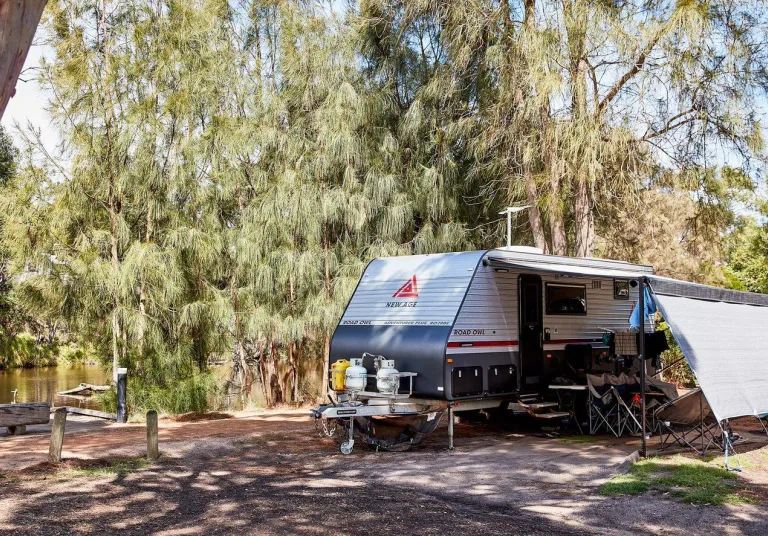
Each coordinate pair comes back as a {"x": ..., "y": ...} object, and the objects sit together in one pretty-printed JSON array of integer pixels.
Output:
[
  {"x": 622, "y": 385},
  {"x": 669, "y": 389},
  {"x": 660, "y": 391},
  {"x": 688, "y": 422},
  {"x": 602, "y": 405}
]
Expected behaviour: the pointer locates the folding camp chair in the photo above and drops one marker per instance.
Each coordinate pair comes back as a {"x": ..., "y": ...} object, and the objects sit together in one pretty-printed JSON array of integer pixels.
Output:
[
  {"x": 602, "y": 406},
  {"x": 629, "y": 410},
  {"x": 658, "y": 392},
  {"x": 688, "y": 422}
]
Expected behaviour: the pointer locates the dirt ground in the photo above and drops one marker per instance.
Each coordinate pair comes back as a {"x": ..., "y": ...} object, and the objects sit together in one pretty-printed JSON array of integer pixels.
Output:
[{"x": 271, "y": 473}]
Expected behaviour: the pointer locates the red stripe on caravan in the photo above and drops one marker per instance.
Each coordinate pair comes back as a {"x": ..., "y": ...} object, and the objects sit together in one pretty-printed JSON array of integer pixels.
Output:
[{"x": 476, "y": 344}]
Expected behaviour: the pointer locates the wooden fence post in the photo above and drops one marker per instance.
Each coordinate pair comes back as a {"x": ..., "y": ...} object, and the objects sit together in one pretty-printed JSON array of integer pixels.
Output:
[
  {"x": 57, "y": 435},
  {"x": 153, "y": 451}
]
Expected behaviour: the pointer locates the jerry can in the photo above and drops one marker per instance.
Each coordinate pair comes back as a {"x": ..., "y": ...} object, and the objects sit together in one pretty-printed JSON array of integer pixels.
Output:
[{"x": 338, "y": 370}]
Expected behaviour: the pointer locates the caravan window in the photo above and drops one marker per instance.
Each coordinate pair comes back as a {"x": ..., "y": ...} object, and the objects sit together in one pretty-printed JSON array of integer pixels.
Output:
[{"x": 566, "y": 299}]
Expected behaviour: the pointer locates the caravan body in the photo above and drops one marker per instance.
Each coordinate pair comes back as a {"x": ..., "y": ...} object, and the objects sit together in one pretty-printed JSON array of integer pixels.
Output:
[{"x": 486, "y": 324}]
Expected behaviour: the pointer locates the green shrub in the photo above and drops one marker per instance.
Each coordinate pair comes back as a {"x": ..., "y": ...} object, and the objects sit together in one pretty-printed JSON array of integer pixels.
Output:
[
  {"x": 681, "y": 374},
  {"x": 193, "y": 393}
]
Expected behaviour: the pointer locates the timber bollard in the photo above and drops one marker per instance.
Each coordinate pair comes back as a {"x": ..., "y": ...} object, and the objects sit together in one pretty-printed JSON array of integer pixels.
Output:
[
  {"x": 152, "y": 448},
  {"x": 122, "y": 385},
  {"x": 57, "y": 435}
]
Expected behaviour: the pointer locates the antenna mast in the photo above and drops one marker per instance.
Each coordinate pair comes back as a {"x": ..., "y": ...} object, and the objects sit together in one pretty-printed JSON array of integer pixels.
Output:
[{"x": 509, "y": 211}]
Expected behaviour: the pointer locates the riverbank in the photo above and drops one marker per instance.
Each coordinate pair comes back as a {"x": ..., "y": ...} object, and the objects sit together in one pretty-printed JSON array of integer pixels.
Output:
[{"x": 23, "y": 351}]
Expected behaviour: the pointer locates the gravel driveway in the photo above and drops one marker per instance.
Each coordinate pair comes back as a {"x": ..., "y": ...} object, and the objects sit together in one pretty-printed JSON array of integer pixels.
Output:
[{"x": 270, "y": 473}]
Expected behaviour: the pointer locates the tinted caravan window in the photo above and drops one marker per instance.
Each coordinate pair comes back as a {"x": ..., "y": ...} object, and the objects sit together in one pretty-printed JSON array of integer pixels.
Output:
[{"x": 566, "y": 299}]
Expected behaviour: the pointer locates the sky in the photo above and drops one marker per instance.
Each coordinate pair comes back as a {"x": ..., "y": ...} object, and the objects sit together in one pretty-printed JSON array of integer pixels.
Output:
[{"x": 28, "y": 105}]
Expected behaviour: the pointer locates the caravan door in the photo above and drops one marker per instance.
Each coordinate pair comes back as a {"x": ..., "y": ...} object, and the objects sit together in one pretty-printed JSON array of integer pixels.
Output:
[{"x": 531, "y": 339}]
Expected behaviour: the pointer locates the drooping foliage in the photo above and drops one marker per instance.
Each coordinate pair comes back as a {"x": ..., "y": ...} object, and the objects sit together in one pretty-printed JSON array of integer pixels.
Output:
[
  {"x": 227, "y": 169},
  {"x": 571, "y": 106}
]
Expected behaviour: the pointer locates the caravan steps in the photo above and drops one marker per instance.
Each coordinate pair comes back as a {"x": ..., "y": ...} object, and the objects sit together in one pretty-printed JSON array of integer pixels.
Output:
[
  {"x": 538, "y": 409},
  {"x": 542, "y": 405},
  {"x": 551, "y": 415}
]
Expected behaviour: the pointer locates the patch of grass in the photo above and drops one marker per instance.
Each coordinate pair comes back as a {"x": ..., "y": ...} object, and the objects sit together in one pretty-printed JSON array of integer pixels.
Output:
[
  {"x": 693, "y": 481},
  {"x": 625, "y": 485},
  {"x": 119, "y": 467}
]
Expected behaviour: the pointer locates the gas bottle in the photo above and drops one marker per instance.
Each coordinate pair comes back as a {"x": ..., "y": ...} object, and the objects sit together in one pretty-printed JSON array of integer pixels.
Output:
[
  {"x": 387, "y": 380},
  {"x": 338, "y": 370},
  {"x": 356, "y": 375}
]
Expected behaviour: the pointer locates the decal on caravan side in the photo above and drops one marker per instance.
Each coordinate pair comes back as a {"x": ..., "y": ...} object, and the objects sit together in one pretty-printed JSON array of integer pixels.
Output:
[{"x": 404, "y": 308}]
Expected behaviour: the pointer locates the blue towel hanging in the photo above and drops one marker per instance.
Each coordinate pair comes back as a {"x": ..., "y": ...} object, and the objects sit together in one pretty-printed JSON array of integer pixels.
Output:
[{"x": 650, "y": 309}]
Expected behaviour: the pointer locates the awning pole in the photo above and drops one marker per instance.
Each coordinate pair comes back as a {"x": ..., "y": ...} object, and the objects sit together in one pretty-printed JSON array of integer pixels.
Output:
[
  {"x": 509, "y": 229},
  {"x": 641, "y": 352}
]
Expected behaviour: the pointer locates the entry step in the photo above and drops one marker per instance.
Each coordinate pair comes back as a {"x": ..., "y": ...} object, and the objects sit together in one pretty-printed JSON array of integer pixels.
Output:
[
  {"x": 542, "y": 405},
  {"x": 552, "y": 415}
]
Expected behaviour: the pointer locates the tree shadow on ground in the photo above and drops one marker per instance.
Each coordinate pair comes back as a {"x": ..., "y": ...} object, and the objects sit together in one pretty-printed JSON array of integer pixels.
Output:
[{"x": 277, "y": 483}]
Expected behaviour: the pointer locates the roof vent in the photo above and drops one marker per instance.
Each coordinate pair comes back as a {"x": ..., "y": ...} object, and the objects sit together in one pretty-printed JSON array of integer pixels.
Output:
[{"x": 523, "y": 249}]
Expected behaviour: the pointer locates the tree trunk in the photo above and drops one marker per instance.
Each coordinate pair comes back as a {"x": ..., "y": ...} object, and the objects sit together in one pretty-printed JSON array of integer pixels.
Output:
[
  {"x": 141, "y": 328},
  {"x": 292, "y": 372},
  {"x": 268, "y": 375},
  {"x": 115, "y": 262},
  {"x": 275, "y": 386},
  {"x": 552, "y": 167},
  {"x": 534, "y": 214},
  {"x": 296, "y": 370},
  {"x": 576, "y": 27},
  {"x": 585, "y": 223},
  {"x": 115, "y": 344},
  {"x": 262, "y": 376},
  {"x": 327, "y": 345},
  {"x": 245, "y": 379},
  {"x": 531, "y": 188},
  {"x": 584, "y": 226},
  {"x": 18, "y": 23},
  {"x": 113, "y": 203},
  {"x": 326, "y": 365},
  {"x": 245, "y": 373}
]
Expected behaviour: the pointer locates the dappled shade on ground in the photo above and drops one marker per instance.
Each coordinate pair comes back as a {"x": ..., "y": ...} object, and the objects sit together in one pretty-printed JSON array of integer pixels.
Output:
[{"x": 271, "y": 473}]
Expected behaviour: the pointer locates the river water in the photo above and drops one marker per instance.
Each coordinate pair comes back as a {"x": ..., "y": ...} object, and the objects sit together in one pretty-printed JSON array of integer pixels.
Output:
[{"x": 42, "y": 384}]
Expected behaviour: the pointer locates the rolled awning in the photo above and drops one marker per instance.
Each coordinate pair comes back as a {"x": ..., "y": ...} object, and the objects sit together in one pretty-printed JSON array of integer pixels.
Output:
[
  {"x": 574, "y": 270},
  {"x": 723, "y": 335}
]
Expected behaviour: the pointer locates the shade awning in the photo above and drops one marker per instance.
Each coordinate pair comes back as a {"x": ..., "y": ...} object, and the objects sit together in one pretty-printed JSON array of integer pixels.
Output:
[
  {"x": 674, "y": 287},
  {"x": 574, "y": 270},
  {"x": 723, "y": 335}
]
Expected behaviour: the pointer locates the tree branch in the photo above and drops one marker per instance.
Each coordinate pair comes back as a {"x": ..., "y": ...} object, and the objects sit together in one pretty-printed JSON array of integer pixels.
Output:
[
  {"x": 639, "y": 62},
  {"x": 671, "y": 125}
]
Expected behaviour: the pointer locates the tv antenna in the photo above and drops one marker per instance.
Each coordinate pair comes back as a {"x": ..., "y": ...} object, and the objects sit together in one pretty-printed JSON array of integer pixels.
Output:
[{"x": 509, "y": 211}]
